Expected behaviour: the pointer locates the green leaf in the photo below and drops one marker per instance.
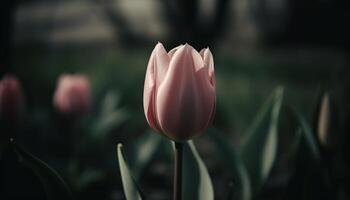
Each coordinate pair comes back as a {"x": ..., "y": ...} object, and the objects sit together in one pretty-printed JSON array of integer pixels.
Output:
[
  {"x": 228, "y": 154},
  {"x": 89, "y": 176},
  {"x": 145, "y": 149},
  {"x": 54, "y": 186},
  {"x": 196, "y": 181},
  {"x": 131, "y": 190},
  {"x": 109, "y": 117},
  {"x": 110, "y": 102},
  {"x": 307, "y": 135},
  {"x": 259, "y": 148}
]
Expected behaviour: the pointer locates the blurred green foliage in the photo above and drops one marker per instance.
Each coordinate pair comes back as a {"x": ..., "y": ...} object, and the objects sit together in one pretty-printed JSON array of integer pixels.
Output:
[{"x": 117, "y": 75}]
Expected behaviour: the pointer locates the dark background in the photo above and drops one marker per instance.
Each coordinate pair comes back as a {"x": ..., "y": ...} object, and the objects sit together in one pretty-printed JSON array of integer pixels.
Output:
[{"x": 303, "y": 45}]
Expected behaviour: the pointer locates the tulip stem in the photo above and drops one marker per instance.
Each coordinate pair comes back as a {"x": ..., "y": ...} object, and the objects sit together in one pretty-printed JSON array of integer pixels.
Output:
[{"x": 178, "y": 171}]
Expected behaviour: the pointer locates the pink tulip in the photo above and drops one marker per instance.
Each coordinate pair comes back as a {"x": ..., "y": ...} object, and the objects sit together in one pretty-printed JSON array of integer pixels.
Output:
[
  {"x": 11, "y": 98},
  {"x": 73, "y": 95},
  {"x": 179, "y": 91}
]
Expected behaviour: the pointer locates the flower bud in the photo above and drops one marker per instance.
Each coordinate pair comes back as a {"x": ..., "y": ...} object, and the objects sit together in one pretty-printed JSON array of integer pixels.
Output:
[
  {"x": 179, "y": 91},
  {"x": 72, "y": 95},
  {"x": 11, "y": 98},
  {"x": 326, "y": 128}
]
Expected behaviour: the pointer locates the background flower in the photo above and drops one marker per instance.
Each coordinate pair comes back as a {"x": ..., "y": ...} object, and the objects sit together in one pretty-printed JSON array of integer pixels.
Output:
[{"x": 73, "y": 95}]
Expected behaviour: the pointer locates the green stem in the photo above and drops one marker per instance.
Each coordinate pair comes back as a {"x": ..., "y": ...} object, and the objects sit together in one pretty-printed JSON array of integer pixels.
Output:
[{"x": 178, "y": 171}]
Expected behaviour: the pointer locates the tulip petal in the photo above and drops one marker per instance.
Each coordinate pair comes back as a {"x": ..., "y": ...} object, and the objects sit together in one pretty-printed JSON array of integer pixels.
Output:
[
  {"x": 172, "y": 52},
  {"x": 156, "y": 70},
  {"x": 179, "y": 92},
  {"x": 206, "y": 93},
  {"x": 175, "y": 96},
  {"x": 205, "y": 90},
  {"x": 183, "y": 105},
  {"x": 202, "y": 53},
  {"x": 209, "y": 62},
  {"x": 161, "y": 63},
  {"x": 149, "y": 94}
]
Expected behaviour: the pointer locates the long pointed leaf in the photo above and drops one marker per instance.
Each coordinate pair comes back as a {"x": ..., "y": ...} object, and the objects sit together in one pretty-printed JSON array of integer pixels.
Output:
[
  {"x": 54, "y": 186},
  {"x": 229, "y": 155},
  {"x": 260, "y": 147},
  {"x": 196, "y": 183},
  {"x": 131, "y": 190},
  {"x": 145, "y": 149},
  {"x": 110, "y": 116},
  {"x": 308, "y": 135}
]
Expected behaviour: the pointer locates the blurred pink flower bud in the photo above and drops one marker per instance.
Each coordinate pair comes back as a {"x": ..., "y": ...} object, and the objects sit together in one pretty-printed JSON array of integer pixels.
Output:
[
  {"x": 72, "y": 95},
  {"x": 11, "y": 98},
  {"x": 179, "y": 92}
]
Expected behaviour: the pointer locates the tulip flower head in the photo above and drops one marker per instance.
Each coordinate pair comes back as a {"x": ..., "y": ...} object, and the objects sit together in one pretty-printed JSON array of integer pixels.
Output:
[
  {"x": 179, "y": 91},
  {"x": 72, "y": 95},
  {"x": 11, "y": 98}
]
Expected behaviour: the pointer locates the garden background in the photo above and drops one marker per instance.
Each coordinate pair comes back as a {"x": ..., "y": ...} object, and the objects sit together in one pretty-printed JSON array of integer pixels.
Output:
[{"x": 300, "y": 45}]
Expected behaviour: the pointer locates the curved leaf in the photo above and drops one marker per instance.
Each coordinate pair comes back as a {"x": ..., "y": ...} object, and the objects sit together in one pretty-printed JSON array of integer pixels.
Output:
[
  {"x": 88, "y": 177},
  {"x": 131, "y": 190},
  {"x": 308, "y": 135},
  {"x": 145, "y": 149},
  {"x": 196, "y": 181},
  {"x": 259, "y": 148},
  {"x": 54, "y": 186},
  {"x": 241, "y": 180},
  {"x": 110, "y": 116}
]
